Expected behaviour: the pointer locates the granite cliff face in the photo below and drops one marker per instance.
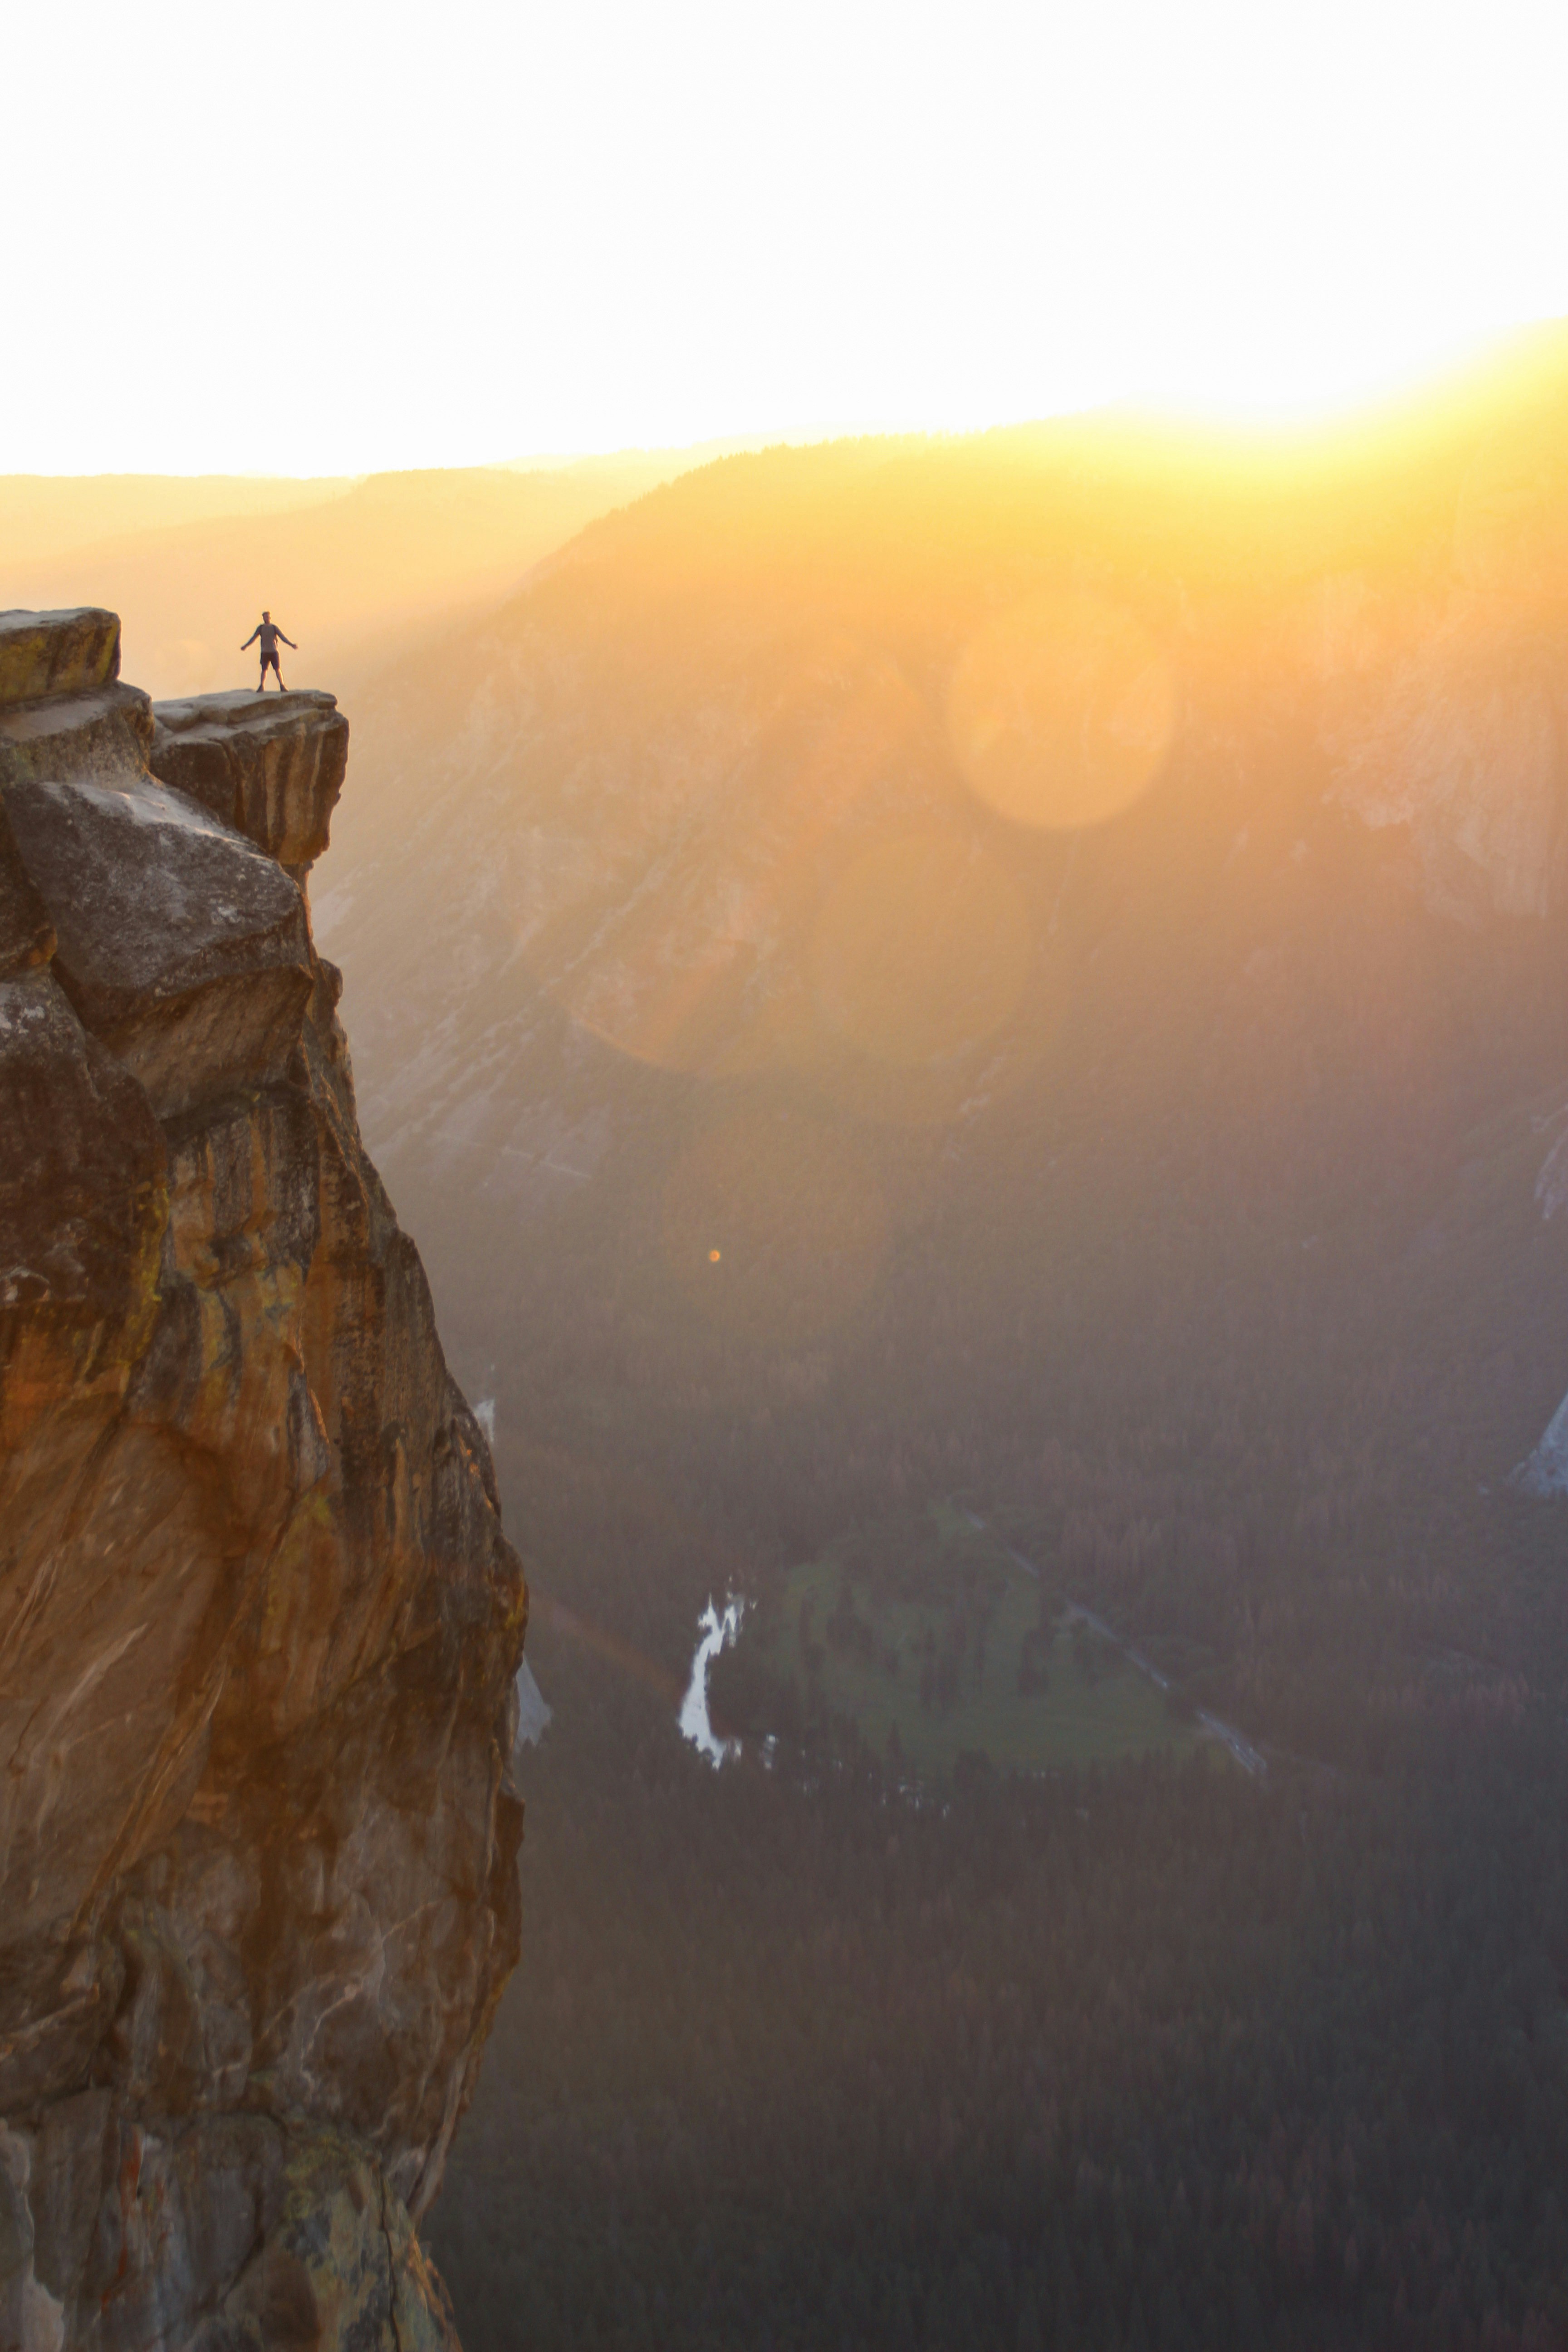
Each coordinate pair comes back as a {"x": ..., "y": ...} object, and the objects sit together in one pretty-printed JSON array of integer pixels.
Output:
[{"x": 258, "y": 1622}]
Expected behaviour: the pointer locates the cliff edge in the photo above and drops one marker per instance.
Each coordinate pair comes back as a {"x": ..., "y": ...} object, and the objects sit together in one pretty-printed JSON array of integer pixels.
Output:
[{"x": 258, "y": 1622}]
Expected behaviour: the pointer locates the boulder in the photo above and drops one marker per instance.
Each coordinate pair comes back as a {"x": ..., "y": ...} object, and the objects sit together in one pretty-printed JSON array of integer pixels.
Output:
[
  {"x": 181, "y": 947},
  {"x": 102, "y": 734},
  {"x": 56, "y": 652},
  {"x": 270, "y": 765}
]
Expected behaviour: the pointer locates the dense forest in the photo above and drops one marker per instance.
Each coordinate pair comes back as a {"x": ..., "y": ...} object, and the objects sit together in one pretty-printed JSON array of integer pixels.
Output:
[
  {"x": 1154, "y": 2057},
  {"x": 809, "y": 1139},
  {"x": 804, "y": 2053}
]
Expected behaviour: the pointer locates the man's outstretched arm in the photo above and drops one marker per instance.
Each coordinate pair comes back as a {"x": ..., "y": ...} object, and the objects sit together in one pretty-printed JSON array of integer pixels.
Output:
[
  {"x": 252, "y": 638},
  {"x": 288, "y": 641}
]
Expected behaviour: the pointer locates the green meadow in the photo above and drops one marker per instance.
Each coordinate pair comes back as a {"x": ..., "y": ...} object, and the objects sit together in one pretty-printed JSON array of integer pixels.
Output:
[{"x": 935, "y": 1643}]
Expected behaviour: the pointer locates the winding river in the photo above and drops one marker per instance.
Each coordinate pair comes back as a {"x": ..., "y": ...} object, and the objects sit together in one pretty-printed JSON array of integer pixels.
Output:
[{"x": 714, "y": 1632}]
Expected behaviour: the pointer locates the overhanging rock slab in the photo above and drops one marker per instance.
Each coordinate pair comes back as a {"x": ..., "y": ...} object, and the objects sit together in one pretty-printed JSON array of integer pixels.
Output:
[{"x": 270, "y": 765}]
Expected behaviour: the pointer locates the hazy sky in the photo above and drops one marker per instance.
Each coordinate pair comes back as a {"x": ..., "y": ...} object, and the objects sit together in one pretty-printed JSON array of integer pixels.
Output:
[{"x": 332, "y": 239}]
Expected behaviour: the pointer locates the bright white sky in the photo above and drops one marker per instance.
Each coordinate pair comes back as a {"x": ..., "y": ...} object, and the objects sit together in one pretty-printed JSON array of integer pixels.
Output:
[{"x": 333, "y": 238}]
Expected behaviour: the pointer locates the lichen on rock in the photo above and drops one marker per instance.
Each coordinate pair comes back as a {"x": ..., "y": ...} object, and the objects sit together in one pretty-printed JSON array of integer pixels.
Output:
[{"x": 258, "y": 1622}]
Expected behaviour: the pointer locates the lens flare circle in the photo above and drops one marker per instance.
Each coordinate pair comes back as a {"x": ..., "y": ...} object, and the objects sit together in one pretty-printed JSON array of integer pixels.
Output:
[{"x": 1062, "y": 709}]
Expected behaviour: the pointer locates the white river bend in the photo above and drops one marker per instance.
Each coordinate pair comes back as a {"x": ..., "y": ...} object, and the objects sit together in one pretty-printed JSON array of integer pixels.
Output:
[{"x": 716, "y": 1631}]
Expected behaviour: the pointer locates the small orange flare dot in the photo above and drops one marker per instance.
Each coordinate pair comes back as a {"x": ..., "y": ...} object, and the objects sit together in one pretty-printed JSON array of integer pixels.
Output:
[{"x": 712, "y": 1257}]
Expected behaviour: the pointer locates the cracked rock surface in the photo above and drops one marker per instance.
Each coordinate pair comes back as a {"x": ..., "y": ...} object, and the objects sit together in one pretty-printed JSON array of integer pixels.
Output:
[
  {"x": 270, "y": 764},
  {"x": 258, "y": 1623}
]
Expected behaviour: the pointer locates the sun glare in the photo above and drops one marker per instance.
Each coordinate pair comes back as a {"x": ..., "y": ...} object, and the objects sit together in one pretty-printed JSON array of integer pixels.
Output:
[{"x": 945, "y": 221}]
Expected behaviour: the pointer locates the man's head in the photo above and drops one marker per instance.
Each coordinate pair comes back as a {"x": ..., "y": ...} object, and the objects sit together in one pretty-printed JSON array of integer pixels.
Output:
[{"x": 265, "y": 615}]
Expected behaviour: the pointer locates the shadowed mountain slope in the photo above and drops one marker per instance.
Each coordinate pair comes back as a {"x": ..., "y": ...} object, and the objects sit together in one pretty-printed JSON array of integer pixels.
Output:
[{"x": 1032, "y": 964}]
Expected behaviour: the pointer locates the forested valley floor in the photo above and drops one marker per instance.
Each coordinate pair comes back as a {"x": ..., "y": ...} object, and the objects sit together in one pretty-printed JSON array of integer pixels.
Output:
[
  {"x": 1153, "y": 2056},
  {"x": 1210, "y": 1246}
]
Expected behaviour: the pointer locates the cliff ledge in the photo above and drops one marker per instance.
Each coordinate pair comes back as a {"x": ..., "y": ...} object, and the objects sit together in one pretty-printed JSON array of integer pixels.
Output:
[{"x": 258, "y": 1622}]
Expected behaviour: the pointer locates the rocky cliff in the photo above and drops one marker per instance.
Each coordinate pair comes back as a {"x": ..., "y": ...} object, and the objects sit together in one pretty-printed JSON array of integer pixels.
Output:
[{"x": 258, "y": 1622}]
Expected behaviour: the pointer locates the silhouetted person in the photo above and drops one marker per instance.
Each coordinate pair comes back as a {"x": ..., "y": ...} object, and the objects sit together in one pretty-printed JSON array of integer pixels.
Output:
[{"x": 267, "y": 630}]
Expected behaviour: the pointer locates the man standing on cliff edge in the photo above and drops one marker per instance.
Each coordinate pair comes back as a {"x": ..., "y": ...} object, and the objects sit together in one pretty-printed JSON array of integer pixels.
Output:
[{"x": 267, "y": 630}]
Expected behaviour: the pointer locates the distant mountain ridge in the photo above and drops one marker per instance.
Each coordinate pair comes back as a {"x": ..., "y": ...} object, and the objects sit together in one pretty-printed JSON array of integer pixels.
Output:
[
  {"x": 815, "y": 1120},
  {"x": 350, "y": 564}
]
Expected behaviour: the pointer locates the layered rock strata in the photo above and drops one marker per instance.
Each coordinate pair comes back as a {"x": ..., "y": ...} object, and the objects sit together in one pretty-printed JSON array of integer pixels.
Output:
[{"x": 258, "y": 1622}]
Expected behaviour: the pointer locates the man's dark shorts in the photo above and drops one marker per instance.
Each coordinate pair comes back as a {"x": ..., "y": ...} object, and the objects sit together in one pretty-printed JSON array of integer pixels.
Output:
[{"x": 270, "y": 662}]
